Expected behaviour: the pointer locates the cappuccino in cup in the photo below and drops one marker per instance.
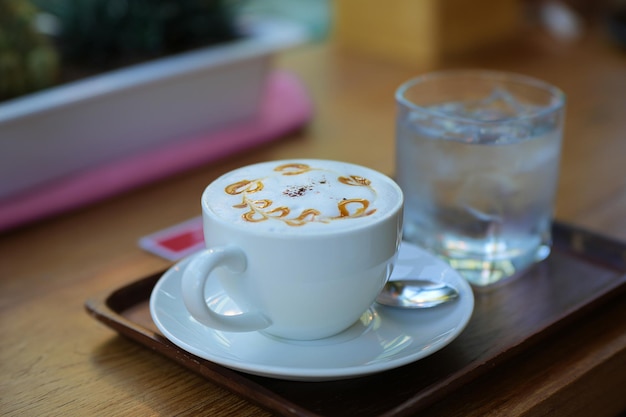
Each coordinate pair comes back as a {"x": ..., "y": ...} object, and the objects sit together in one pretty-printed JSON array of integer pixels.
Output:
[{"x": 303, "y": 247}]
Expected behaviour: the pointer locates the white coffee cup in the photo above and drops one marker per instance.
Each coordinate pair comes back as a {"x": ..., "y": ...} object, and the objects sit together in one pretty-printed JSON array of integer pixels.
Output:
[{"x": 303, "y": 247}]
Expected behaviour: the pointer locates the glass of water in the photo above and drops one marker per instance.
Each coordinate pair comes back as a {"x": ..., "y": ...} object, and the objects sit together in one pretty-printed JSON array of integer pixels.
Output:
[{"x": 478, "y": 160}]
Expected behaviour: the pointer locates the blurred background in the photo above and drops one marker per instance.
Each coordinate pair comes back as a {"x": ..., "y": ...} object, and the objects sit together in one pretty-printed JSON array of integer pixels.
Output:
[{"x": 47, "y": 42}]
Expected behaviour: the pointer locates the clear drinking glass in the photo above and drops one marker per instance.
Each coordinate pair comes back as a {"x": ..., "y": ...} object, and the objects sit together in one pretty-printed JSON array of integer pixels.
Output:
[{"x": 478, "y": 160}]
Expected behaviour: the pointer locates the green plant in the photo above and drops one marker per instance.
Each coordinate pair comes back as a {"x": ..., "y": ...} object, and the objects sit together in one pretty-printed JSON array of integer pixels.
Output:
[
  {"x": 101, "y": 32},
  {"x": 28, "y": 62}
]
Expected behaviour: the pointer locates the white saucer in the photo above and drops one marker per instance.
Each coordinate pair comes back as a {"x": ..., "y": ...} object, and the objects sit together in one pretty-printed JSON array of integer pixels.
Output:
[{"x": 383, "y": 339}]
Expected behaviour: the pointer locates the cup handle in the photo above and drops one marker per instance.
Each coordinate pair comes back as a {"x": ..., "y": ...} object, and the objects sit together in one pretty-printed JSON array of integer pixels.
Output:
[{"x": 194, "y": 279}]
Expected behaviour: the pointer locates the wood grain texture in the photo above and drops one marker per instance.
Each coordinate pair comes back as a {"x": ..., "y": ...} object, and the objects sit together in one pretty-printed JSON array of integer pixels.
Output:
[
  {"x": 506, "y": 323},
  {"x": 56, "y": 360}
]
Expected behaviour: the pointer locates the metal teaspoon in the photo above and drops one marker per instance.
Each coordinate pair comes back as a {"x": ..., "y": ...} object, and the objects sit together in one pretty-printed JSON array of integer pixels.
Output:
[{"x": 416, "y": 293}]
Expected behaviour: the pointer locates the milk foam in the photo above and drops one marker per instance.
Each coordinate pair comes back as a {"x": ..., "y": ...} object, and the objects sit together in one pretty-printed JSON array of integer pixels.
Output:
[{"x": 303, "y": 195}]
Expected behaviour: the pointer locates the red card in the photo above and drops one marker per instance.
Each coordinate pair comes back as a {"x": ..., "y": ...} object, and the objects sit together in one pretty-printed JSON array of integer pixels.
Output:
[{"x": 177, "y": 241}]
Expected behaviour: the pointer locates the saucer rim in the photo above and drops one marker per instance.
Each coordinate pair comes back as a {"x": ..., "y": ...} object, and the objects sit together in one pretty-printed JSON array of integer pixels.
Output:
[{"x": 325, "y": 373}]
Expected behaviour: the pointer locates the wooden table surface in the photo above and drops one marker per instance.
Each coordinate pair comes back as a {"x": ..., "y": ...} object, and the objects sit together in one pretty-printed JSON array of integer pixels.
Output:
[{"x": 56, "y": 360}]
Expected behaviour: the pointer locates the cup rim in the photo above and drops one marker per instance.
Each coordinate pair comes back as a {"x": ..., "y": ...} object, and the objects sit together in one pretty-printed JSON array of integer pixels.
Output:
[
  {"x": 394, "y": 210},
  {"x": 558, "y": 102}
]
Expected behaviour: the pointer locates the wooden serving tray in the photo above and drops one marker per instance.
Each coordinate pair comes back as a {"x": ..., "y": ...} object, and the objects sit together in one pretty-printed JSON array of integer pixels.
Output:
[{"x": 583, "y": 271}]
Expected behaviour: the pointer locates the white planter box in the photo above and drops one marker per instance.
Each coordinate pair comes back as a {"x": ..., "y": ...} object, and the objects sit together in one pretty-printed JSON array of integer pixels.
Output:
[{"x": 61, "y": 131}]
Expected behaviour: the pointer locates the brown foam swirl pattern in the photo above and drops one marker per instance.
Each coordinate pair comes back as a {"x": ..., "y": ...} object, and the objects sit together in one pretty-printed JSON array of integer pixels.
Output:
[{"x": 259, "y": 210}]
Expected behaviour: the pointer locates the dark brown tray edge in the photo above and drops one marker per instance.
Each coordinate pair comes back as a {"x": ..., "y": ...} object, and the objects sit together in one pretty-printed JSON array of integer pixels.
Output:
[
  {"x": 596, "y": 248},
  {"x": 452, "y": 382},
  {"x": 583, "y": 243},
  {"x": 99, "y": 308},
  {"x": 593, "y": 246},
  {"x": 568, "y": 237}
]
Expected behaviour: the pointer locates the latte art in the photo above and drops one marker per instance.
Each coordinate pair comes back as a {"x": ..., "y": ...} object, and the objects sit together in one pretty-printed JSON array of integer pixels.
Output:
[
  {"x": 265, "y": 209},
  {"x": 299, "y": 194}
]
